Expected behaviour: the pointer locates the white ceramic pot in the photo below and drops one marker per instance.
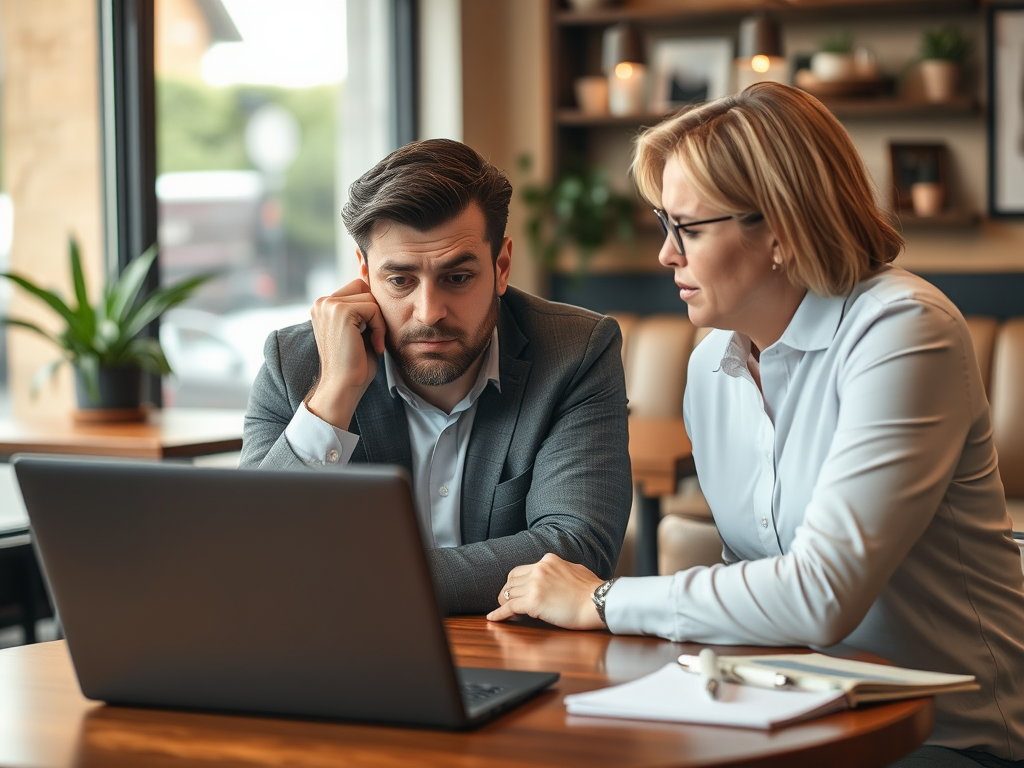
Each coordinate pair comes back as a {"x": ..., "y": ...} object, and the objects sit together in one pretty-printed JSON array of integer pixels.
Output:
[
  {"x": 939, "y": 79},
  {"x": 927, "y": 197},
  {"x": 828, "y": 66}
]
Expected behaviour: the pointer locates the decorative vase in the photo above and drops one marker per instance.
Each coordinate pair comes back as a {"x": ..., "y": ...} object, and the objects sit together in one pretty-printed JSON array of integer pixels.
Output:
[
  {"x": 939, "y": 79},
  {"x": 928, "y": 198},
  {"x": 120, "y": 396},
  {"x": 828, "y": 66}
]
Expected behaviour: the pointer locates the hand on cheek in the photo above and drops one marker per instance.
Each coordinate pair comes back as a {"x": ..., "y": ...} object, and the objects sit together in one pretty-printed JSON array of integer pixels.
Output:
[{"x": 551, "y": 590}]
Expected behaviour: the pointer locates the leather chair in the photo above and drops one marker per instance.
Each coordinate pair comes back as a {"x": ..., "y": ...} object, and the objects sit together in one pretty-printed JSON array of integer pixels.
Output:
[
  {"x": 1000, "y": 351},
  {"x": 657, "y": 350}
]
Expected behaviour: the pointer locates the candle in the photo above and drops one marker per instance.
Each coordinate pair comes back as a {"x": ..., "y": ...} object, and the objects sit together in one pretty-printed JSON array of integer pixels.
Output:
[{"x": 626, "y": 88}]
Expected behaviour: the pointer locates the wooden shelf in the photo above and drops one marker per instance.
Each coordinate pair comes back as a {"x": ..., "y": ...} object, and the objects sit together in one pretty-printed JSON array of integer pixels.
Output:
[
  {"x": 879, "y": 107},
  {"x": 583, "y": 119},
  {"x": 889, "y": 107},
  {"x": 707, "y": 10},
  {"x": 952, "y": 219}
]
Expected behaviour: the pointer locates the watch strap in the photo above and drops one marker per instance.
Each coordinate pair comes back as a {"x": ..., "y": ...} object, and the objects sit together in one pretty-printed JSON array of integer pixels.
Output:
[{"x": 599, "y": 596}]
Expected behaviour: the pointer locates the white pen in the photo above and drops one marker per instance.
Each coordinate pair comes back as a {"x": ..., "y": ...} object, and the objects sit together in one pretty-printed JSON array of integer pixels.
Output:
[
  {"x": 746, "y": 674},
  {"x": 710, "y": 673}
]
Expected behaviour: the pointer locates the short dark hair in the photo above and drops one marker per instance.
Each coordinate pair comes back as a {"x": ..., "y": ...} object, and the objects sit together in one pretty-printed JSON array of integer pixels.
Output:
[{"x": 424, "y": 185}]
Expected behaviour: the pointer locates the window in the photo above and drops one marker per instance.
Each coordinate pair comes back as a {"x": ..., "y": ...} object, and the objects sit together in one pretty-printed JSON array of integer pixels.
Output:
[{"x": 240, "y": 151}]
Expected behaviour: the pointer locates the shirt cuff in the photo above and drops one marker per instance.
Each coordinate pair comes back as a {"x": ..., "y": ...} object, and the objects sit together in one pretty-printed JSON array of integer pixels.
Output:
[
  {"x": 319, "y": 445},
  {"x": 640, "y": 606}
]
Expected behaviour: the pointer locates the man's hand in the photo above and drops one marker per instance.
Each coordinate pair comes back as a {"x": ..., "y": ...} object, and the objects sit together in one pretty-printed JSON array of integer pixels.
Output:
[
  {"x": 348, "y": 358},
  {"x": 551, "y": 590}
]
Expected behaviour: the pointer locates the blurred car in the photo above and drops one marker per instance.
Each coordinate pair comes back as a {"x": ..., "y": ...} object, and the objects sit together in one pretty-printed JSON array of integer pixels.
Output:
[{"x": 215, "y": 358}]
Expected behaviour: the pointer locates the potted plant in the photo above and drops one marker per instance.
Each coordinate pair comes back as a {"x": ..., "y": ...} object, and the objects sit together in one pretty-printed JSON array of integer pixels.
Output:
[
  {"x": 578, "y": 207},
  {"x": 102, "y": 341},
  {"x": 834, "y": 60},
  {"x": 943, "y": 52}
]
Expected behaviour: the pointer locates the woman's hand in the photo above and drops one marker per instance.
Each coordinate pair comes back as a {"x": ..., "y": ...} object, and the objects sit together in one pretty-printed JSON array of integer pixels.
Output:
[{"x": 551, "y": 590}]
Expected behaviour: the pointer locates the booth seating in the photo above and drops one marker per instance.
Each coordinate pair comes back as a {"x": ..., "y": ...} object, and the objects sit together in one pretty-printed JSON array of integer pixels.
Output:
[{"x": 656, "y": 350}]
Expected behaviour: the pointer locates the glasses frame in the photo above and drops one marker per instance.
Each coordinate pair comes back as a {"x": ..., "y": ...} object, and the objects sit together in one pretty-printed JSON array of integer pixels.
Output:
[{"x": 672, "y": 229}]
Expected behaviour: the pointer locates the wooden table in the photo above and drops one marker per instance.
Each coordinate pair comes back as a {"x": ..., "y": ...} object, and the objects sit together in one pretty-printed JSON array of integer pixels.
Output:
[
  {"x": 660, "y": 454},
  {"x": 167, "y": 433},
  {"x": 45, "y": 721}
]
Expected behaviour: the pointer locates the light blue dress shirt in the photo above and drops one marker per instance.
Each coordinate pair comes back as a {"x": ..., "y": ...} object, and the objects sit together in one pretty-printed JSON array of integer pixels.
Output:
[
  {"x": 859, "y": 501},
  {"x": 438, "y": 441}
]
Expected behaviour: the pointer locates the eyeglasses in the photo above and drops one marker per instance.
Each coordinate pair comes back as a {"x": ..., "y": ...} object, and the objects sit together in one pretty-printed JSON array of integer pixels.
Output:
[{"x": 672, "y": 229}]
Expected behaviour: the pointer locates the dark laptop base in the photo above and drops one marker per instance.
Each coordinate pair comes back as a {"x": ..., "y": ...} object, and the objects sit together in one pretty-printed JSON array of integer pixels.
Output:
[{"x": 251, "y": 591}]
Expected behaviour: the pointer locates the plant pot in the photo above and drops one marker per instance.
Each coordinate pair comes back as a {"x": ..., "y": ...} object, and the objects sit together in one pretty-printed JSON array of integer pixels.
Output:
[
  {"x": 828, "y": 66},
  {"x": 120, "y": 396},
  {"x": 592, "y": 94},
  {"x": 928, "y": 198},
  {"x": 939, "y": 79}
]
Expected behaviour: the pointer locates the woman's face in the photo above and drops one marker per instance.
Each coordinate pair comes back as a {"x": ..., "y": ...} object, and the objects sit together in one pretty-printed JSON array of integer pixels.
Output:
[{"x": 726, "y": 276}]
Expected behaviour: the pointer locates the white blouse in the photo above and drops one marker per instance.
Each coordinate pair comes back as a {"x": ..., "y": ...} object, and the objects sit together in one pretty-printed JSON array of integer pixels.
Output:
[{"x": 859, "y": 501}]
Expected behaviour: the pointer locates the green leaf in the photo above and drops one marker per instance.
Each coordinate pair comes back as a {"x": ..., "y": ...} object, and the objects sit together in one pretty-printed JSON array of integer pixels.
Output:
[
  {"x": 160, "y": 301},
  {"x": 149, "y": 355},
  {"x": 126, "y": 290},
  {"x": 32, "y": 327},
  {"x": 85, "y": 312},
  {"x": 52, "y": 299},
  {"x": 89, "y": 367},
  {"x": 43, "y": 375}
]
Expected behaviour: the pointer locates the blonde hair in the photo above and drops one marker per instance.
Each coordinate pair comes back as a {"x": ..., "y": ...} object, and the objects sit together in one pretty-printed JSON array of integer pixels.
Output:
[{"x": 775, "y": 152}]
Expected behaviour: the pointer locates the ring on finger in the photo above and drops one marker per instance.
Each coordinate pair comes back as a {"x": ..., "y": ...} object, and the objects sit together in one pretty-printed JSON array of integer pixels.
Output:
[{"x": 507, "y": 595}]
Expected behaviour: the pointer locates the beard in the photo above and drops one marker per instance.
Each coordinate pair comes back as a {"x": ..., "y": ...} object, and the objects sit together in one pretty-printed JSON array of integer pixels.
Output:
[{"x": 434, "y": 369}]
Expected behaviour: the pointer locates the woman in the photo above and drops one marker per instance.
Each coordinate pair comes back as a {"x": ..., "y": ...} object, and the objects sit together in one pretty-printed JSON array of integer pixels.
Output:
[{"x": 839, "y": 427}]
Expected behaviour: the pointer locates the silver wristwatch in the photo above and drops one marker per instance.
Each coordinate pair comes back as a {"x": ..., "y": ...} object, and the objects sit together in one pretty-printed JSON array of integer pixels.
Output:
[{"x": 599, "y": 597}]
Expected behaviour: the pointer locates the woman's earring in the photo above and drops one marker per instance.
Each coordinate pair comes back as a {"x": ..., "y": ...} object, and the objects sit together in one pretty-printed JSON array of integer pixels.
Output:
[{"x": 775, "y": 266}]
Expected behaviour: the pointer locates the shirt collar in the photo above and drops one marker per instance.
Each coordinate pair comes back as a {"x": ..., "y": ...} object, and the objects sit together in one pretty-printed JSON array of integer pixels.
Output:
[
  {"x": 489, "y": 371},
  {"x": 813, "y": 327},
  {"x": 815, "y": 323}
]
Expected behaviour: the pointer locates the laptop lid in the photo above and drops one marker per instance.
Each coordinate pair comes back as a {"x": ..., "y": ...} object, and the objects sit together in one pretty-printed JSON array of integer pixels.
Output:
[{"x": 296, "y": 593}]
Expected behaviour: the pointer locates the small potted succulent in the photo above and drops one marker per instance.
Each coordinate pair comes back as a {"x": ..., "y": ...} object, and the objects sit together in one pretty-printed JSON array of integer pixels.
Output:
[
  {"x": 943, "y": 52},
  {"x": 103, "y": 341}
]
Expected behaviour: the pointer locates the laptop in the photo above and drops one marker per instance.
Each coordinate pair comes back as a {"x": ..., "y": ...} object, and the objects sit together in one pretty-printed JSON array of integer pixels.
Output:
[{"x": 282, "y": 593}]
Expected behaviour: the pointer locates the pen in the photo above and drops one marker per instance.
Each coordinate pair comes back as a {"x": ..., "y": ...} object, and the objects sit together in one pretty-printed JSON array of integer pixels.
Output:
[
  {"x": 745, "y": 674},
  {"x": 710, "y": 674}
]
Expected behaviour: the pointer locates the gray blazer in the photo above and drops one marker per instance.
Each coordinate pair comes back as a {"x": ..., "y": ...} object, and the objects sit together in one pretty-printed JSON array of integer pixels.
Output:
[{"x": 547, "y": 468}]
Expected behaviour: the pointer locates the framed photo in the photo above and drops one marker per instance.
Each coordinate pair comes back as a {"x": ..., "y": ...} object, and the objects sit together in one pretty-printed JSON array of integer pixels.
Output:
[
  {"x": 912, "y": 163},
  {"x": 689, "y": 70},
  {"x": 1006, "y": 110}
]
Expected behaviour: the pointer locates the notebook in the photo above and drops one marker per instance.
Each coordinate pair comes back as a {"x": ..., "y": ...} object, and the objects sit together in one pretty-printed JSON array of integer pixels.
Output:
[
  {"x": 287, "y": 593},
  {"x": 765, "y": 692},
  {"x": 674, "y": 695},
  {"x": 860, "y": 681}
]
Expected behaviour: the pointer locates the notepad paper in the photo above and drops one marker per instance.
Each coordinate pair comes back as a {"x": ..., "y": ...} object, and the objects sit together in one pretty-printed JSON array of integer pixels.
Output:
[
  {"x": 861, "y": 681},
  {"x": 674, "y": 695}
]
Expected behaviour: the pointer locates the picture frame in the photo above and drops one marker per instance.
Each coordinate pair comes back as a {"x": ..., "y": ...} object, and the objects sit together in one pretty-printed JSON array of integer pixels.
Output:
[
  {"x": 917, "y": 162},
  {"x": 689, "y": 70},
  {"x": 1005, "y": 25}
]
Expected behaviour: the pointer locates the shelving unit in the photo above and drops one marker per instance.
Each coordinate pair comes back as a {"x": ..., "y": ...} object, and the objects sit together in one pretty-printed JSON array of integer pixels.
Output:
[{"x": 575, "y": 52}]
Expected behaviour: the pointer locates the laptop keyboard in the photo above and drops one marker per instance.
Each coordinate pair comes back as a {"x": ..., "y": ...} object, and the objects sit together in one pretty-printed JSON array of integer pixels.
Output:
[{"x": 474, "y": 694}]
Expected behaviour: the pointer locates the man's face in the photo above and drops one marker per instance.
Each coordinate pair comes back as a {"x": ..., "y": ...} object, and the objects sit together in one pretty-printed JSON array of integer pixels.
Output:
[{"x": 438, "y": 293}]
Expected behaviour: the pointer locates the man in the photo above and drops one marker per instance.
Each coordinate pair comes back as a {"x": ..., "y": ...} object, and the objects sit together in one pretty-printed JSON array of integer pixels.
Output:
[{"x": 508, "y": 411}]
